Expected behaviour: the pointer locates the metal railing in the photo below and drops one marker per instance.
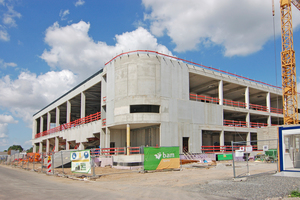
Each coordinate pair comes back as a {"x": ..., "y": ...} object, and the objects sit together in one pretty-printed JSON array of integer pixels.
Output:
[
  {"x": 235, "y": 123},
  {"x": 258, "y": 107},
  {"x": 77, "y": 122},
  {"x": 223, "y": 149},
  {"x": 227, "y": 102},
  {"x": 203, "y": 98}
]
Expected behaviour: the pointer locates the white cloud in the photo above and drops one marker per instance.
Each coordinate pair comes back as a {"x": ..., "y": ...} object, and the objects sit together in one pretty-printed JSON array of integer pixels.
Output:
[
  {"x": 10, "y": 15},
  {"x": 241, "y": 27},
  {"x": 29, "y": 93},
  {"x": 7, "y": 119},
  {"x": 72, "y": 48},
  {"x": 4, "y": 64},
  {"x": 3, "y": 134},
  {"x": 4, "y": 35},
  {"x": 79, "y": 3},
  {"x": 63, "y": 14},
  {"x": 2, "y": 2}
]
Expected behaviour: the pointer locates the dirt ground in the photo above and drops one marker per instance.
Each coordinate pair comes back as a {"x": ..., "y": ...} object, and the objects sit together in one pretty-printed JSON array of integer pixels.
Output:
[
  {"x": 179, "y": 183},
  {"x": 188, "y": 173}
]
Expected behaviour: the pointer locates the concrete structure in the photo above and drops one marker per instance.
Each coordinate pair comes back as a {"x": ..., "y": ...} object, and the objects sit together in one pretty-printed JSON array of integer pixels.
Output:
[{"x": 147, "y": 98}]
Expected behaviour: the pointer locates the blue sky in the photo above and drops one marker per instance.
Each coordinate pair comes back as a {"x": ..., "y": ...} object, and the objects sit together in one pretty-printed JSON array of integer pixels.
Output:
[{"x": 47, "y": 47}]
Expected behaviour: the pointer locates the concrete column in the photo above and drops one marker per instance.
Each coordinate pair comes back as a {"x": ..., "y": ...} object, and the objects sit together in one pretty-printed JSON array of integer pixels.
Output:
[
  {"x": 82, "y": 107},
  {"x": 222, "y": 141},
  {"x": 269, "y": 121},
  {"x": 57, "y": 119},
  {"x": 247, "y": 99},
  {"x": 221, "y": 92},
  {"x": 34, "y": 128},
  {"x": 47, "y": 146},
  {"x": 268, "y": 101},
  {"x": 56, "y": 144},
  {"x": 248, "y": 120},
  {"x": 34, "y": 148},
  {"x": 48, "y": 120},
  {"x": 128, "y": 138},
  {"x": 41, "y": 124},
  {"x": 107, "y": 137},
  {"x": 200, "y": 141},
  {"x": 248, "y": 138},
  {"x": 67, "y": 145},
  {"x": 68, "y": 111},
  {"x": 41, "y": 147},
  {"x": 81, "y": 146},
  {"x": 102, "y": 138}
]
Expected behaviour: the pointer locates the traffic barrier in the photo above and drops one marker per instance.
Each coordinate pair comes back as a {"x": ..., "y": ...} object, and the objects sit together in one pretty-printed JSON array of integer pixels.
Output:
[{"x": 49, "y": 165}]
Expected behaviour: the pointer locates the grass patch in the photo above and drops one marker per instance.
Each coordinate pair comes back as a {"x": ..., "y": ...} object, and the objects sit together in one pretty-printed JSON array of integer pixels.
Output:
[{"x": 295, "y": 193}]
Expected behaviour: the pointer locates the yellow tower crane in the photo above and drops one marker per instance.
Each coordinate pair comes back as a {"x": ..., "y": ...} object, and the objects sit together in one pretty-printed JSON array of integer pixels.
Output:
[{"x": 288, "y": 64}]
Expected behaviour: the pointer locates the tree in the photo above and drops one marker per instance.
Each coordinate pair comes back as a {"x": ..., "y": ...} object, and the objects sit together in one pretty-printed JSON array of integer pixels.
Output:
[{"x": 15, "y": 147}]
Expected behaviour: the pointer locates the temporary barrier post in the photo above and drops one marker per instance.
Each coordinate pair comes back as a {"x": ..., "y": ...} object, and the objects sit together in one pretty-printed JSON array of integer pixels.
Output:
[
  {"x": 33, "y": 158},
  {"x": 62, "y": 162},
  {"x": 93, "y": 162},
  {"x": 233, "y": 159},
  {"x": 52, "y": 162}
]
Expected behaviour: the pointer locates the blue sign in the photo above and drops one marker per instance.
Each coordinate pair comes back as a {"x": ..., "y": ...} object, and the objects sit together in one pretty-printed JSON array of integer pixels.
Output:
[
  {"x": 74, "y": 155},
  {"x": 86, "y": 154}
]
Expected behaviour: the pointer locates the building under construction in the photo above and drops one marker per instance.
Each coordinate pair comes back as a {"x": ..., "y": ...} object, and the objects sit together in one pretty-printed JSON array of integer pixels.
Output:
[{"x": 145, "y": 98}]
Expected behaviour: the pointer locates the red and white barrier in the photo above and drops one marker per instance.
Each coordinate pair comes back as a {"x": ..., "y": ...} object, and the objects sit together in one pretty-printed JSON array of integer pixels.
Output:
[{"x": 49, "y": 165}]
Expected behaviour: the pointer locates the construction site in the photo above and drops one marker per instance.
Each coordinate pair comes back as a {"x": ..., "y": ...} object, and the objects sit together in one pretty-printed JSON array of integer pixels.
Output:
[{"x": 144, "y": 98}]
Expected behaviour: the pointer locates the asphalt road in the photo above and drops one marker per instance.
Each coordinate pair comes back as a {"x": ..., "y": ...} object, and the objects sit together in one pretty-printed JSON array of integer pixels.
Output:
[
  {"x": 21, "y": 184},
  {"x": 17, "y": 184}
]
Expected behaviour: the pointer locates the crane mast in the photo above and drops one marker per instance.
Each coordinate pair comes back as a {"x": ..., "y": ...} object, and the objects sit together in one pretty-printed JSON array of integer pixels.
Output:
[{"x": 288, "y": 64}]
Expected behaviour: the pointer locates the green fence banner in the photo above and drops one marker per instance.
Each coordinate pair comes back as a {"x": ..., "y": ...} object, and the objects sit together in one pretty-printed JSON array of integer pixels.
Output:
[{"x": 161, "y": 158}]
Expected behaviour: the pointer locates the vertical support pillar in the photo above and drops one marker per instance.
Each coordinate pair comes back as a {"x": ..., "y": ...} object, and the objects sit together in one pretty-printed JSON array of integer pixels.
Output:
[
  {"x": 269, "y": 120},
  {"x": 128, "y": 139},
  {"x": 107, "y": 137},
  {"x": 248, "y": 120},
  {"x": 41, "y": 124},
  {"x": 41, "y": 147},
  {"x": 268, "y": 101},
  {"x": 102, "y": 138},
  {"x": 47, "y": 146},
  {"x": 56, "y": 144},
  {"x": 48, "y": 120},
  {"x": 68, "y": 111},
  {"x": 248, "y": 138},
  {"x": 34, "y": 148},
  {"x": 221, "y": 92},
  {"x": 34, "y": 128},
  {"x": 247, "y": 99},
  {"x": 82, "y": 106},
  {"x": 67, "y": 145},
  {"x": 57, "y": 119},
  {"x": 200, "y": 142},
  {"x": 222, "y": 142}
]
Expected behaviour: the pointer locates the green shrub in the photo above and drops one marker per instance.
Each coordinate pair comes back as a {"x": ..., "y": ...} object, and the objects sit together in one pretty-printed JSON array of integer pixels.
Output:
[{"x": 295, "y": 193}]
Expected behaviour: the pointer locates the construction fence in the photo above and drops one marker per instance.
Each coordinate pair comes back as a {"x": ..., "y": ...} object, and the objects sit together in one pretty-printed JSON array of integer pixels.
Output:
[{"x": 247, "y": 161}]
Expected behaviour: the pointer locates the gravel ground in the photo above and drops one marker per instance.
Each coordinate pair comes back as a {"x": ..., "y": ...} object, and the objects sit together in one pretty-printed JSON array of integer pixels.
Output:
[{"x": 264, "y": 186}]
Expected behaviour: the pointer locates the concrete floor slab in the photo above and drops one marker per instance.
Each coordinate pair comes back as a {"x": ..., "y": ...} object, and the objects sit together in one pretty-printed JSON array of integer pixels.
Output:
[{"x": 288, "y": 174}]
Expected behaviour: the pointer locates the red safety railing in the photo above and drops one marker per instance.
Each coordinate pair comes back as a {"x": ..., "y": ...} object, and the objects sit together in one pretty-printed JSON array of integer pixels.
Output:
[
  {"x": 77, "y": 122},
  {"x": 276, "y": 110},
  {"x": 115, "y": 151},
  {"x": 257, "y": 125},
  {"x": 104, "y": 99},
  {"x": 227, "y": 102},
  {"x": 224, "y": 149},
  {"x": 104, "y": 122},
  {"x": 258, "y": 107},
  {"x": 235, "y": 123},
  {"x": 204, "y": 98}
]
